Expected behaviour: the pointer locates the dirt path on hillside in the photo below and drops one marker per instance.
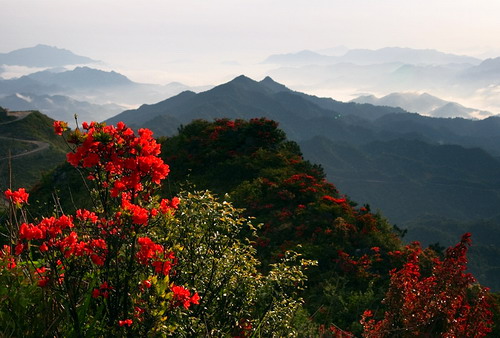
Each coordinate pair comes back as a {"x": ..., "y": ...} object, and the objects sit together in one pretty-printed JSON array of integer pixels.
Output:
[
  {"x": 40, "y": 144},
  {"x": 19, "y": 115}
]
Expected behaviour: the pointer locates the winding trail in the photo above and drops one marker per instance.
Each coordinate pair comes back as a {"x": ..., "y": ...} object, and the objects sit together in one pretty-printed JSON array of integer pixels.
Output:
[
  {"x": 40, "y": 144},
  {"x": 18, "y": 114}
]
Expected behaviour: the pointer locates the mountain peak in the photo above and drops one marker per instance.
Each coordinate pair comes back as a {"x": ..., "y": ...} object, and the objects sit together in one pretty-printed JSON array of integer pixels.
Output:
[
  {"x": 274, "y": 86},
  {"x": 242, "y": 79}
]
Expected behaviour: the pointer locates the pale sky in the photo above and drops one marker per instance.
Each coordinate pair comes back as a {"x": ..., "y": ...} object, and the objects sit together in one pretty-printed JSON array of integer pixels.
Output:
[{"x": 161, "y": 40}]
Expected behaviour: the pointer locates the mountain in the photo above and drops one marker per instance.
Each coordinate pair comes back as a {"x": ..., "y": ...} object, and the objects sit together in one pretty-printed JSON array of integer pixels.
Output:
[
  {"x": 412, "y": 102},
  {"x": 453, "y": 109},
  {"x": 407, "y": 56},
  {"x": 410, "y": 167},
  {"x": 43, "y": 56},
  {"x": 424, "y": 104},
  {"x": 377, "y": 77},
  {"x": 91, "y": 93},
  {"x": 409, "y": 178},
  {"x": 245, "y": 98},
  {"x": 487, "y": 73},
  {"x": 368, "y": 57},
  {"x": 472, "y": 82},
  {"x": 80, "y": 77},
  {"x": 59, "y": 107},
  {"x": 28, "y": 139},
  {"x": 305, "y": 116}
]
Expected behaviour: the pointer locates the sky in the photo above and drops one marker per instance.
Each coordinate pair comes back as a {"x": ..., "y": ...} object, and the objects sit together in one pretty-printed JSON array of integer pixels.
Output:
[{"x": 200, "y": 42}]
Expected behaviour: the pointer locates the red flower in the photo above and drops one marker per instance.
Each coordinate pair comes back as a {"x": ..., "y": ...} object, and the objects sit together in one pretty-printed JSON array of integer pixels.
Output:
[
  {"x": 167, "y": 206},
  {"x": 17, "y": 197},
  {"x": 96, "y": 293},
  {"x": 43, "y": 247},
  {"x": 126, "y": 322},
  {"x": 334, "y": 200},
  {"x": 59, "y": 127},
  {"x": 148, "y": 250},
  {"x": 183, "y": 297}
]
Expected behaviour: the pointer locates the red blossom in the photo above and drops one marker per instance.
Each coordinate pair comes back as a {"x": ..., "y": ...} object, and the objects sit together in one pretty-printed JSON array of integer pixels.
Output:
[
  {"x": 182, "y": 296},
  {"x": 59, "y": 127},
  {"x": 167, "y": 206},
  {"x": 126, "y": 322},
  {"x": 128, "y": 159},
  {"x": 333, "y": 199},
  {"x": 17, "y": 197},
  {"x": 419, "y": 303}
]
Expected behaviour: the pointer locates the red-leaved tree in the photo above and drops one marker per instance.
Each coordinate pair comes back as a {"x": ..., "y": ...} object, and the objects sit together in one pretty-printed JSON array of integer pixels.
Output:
[{"x": 446, "y": 303}]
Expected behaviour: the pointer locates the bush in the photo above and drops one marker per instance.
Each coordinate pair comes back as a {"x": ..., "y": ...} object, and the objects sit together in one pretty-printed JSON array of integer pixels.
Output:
[{"x": 137, "y": 264}]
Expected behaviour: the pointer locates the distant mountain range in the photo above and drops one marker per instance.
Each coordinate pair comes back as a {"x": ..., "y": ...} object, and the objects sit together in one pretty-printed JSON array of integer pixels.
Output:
[
  {"x": 91, "y": 93},
  {"x": 80, "y": 77},
  {"x": 59, "y": 107},
  {"x": 304, "y": 116},
  {"x": 368, "y": 57},
  {"x": 466, "y": 80},
  {"x": 43, "y": 56},
  {"x": 424, "y": 104}
]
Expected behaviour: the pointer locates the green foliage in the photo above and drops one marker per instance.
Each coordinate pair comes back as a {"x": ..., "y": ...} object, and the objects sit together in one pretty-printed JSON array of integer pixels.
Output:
[
  {"x": 4, "y": 117},
  {"x": 23, "y": 311},
  {"x": 63, "y": 189},
  {"x": 265, "y": 174},
  {"x": 236, "y": 298}
]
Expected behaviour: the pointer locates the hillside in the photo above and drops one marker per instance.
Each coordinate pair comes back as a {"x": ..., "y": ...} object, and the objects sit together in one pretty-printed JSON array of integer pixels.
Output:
[
  {"x": 29, "y": 141},
  {"x": 264, "y": 172},
  {"x": 408, "y": 179}
]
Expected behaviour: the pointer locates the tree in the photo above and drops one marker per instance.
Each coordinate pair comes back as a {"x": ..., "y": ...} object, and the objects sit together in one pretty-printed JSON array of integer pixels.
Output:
[{"x": 447, "y": 302}]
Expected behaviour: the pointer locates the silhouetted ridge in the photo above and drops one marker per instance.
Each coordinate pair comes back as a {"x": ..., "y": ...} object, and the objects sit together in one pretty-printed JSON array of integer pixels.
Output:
[{"x": 274, "y": 86}]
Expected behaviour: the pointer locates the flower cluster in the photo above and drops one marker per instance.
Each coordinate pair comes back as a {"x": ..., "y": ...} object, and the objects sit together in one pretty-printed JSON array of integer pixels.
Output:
[
  {"x": 155, "y": 255},
  {"x": 182, "y": 296},
  {"x": 117, "y": 158},
  {"x": 56, "y": 234},
  {"x": 60, "y": 127},
  {"x": 417, "y": 303},
  {"x": 106, "y": 255},
  {"x": 17, "y": 197}
]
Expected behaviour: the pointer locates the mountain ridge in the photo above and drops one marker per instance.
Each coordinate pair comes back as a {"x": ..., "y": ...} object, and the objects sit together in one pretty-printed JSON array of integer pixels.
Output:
[
  {"x": 424, "y": 104},
  {"x": 369, "y": 56},
  {"x": 43, "y": 56}
]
